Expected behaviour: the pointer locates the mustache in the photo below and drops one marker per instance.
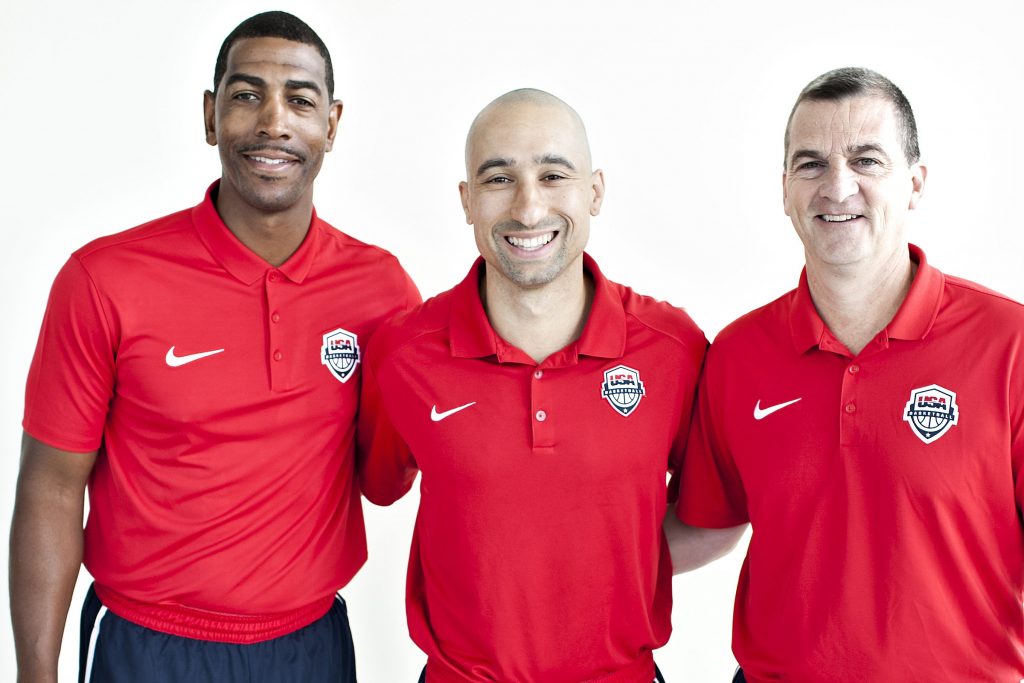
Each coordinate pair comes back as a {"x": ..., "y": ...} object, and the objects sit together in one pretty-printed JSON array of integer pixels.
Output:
[{"x": 263, "y": 147}]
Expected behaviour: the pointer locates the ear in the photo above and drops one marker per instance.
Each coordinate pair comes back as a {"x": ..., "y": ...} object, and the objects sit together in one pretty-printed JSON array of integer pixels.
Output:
[
  {"x": 464, "y": 196},
  {"x": 918, "y": 173},
  {"x": 210, "y": 117},
  {"x": 597, "y": 187},
  {"x": 333, "y": 116}
]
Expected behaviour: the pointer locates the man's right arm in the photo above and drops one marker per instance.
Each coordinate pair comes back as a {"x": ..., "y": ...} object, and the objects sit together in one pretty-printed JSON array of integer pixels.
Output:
[{"x": 45, "y": 552}]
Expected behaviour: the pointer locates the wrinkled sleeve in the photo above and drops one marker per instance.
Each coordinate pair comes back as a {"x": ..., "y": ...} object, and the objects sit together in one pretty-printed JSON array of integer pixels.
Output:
[
  {"x": 711, "y": 493},
  {"x": 71, "y": 379}
]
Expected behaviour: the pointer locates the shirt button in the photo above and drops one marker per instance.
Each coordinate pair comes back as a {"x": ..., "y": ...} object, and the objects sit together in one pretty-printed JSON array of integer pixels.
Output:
[
  {"x": 278, "y": 356},
  {"x": 276, "y": 317},
  {"x": 541, "y": 416},
  {"x": 272, "y": 277},
  {"x": 538, "y": 374},
  {"x": 854, "y": 369},
  {"x": 851, "y": 408}
]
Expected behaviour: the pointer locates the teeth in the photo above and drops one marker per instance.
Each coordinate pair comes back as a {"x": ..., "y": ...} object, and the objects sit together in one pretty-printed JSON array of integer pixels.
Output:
[
  {"x": 529, "y": 243},
  {"x": 838, "y": 218},
  {"x": 266, "y": 160}
]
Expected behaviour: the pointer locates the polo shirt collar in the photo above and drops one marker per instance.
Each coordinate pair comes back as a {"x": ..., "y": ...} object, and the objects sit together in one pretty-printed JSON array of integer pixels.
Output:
[
  {"x": 471, "y": 334},
  {"x": 913, "y": 320},
  {"x": 236, "y": 258}
]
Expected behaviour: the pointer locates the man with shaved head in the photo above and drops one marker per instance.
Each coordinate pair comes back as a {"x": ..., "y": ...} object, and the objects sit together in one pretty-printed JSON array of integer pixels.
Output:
[
  {"x": 869, "y": 425},
  {"x": 544, "y": 406}
]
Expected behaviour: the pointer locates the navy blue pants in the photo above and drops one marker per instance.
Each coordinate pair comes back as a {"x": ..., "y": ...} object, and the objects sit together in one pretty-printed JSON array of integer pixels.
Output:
[
  {"x": 128, "y": 653},
  {"x": 738, "y": 678}
]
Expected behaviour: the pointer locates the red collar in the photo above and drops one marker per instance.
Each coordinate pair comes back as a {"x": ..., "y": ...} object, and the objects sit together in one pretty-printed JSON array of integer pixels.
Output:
[
  {"x": 472, "y": 336},
  {"x": 913, "y": 320},
  {"x": 241, "y": 261}
]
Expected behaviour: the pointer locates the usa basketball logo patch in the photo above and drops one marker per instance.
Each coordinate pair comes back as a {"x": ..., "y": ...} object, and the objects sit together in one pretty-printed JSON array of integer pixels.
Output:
[
  {"x": 623, "y": 389},
  {"x": 931, "y": 411},
  {"x": 340, "y": 353}
]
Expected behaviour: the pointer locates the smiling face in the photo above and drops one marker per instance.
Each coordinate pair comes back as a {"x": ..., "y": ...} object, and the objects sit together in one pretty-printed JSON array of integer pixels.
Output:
[
  {"x": 272, "y": 122},
  {"x": 530, "y": 191},
  {"x": 848, "y": 186}
]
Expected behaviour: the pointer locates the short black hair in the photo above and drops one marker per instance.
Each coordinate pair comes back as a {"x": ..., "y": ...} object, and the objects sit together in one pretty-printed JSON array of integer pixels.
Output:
[
  {"x": 274, "y": 25},
  {"x": 839, "y": 84}
]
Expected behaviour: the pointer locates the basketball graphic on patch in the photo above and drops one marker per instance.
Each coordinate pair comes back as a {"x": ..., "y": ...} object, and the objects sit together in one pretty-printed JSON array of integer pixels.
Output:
[
  {"x": 623, "y": 389},
  {"x": 340, "y": 353},
  {"x": 931, "y": 411}
]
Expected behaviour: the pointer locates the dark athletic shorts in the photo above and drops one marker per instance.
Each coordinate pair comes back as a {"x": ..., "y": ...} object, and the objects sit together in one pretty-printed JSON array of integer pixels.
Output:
[{"x": 122, "y": 652}]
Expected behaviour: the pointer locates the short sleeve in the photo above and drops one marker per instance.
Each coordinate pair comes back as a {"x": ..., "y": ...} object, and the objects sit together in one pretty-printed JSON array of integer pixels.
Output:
[
  {"x": 711, "y": 493},
  {"x": 71, "y": 379},
  {"x": 412, "y": 293},
  {"x": 689, "y": 379},
  {"x": 385, "y": 464}
]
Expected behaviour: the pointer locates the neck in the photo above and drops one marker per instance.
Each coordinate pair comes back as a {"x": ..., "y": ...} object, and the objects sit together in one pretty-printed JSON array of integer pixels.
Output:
[
  {"x": 272, "y": 235},
  {"x": 540, "y": 320},
  {"x": 856, "y": 303}
]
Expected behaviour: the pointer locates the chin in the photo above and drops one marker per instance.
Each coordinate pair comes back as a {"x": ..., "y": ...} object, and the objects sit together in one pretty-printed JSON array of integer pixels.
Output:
[
  {"x": 843, "y": 257},
  {"x": 839, "y": 252},
  {"x": 272, "y": 202}
]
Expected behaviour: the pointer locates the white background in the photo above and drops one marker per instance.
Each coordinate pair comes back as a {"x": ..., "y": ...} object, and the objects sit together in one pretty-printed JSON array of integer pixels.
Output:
[{"x": 685, "y": 103}]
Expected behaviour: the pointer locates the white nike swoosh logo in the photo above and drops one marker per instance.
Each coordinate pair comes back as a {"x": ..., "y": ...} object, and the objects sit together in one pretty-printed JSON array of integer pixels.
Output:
[
  {"x": 760, "y": 414},
  {"x": 437, "y": 417},
  {"x": 178, "y": 361}
]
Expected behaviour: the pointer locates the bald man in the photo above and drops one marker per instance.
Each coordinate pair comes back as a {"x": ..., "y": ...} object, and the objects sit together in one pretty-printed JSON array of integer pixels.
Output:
[{"x": 545, "y": 406}]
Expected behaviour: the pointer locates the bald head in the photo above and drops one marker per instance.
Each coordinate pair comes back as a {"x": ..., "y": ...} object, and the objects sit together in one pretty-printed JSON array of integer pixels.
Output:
[
  {"x": 526, "y": 108},
  {"x": 530, "y": 191}
]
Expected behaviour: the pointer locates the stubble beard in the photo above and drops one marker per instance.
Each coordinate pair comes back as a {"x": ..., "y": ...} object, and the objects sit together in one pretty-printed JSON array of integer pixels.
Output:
[{"x": 530, "y": 275}]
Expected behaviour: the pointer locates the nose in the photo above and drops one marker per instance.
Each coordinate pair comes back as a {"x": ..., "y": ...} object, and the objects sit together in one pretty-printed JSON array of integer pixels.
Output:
[
  {"x": 272, "y": 121},
  {"x": 528, "y": 207},
  {"x": 838, "y": 183}
]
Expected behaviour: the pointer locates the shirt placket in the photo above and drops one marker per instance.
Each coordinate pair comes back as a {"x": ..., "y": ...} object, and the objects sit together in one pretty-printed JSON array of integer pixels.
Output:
[
  {"x": 275, "y": 285},
  {"x": 543, "y": 412},
  {"x": 851, "y": 423}
]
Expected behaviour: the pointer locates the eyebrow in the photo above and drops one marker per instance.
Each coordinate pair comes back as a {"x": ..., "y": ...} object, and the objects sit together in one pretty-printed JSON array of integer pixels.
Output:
[
  {"x": 868, "y": 147},
  {"x": 555, "y": 159},
  {"x": 245, "y": 78},
  {"x": 260, "y": 83},
  {"x": 494, "y": 163},
  {"x": 546, "y": 159},
  {"x": 302, "y": 85}
]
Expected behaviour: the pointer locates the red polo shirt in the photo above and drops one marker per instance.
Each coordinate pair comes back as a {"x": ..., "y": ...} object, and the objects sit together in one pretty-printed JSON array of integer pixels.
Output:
[
  {"x": 221, "y": 393},
  {"x": 884, "y": 489},
  {"x": 538, "y": 553}
]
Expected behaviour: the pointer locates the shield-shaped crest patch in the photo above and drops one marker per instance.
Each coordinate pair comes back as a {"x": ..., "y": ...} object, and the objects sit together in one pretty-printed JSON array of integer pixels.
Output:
[{"x": 340, "y": 353}]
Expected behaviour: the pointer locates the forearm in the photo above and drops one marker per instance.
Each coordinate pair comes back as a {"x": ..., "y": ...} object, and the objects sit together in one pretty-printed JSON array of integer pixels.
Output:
[
  {"x": 693, "y": 547},
  {"x": 45, "y": 556}
]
